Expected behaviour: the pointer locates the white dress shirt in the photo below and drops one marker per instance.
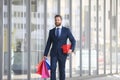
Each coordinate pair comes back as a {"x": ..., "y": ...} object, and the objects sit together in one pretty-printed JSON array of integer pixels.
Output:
[{"x": 60, "y": 28}]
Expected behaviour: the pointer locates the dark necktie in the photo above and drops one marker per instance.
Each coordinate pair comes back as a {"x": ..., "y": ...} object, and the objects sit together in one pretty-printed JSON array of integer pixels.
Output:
[{"x": 57, "y": 32}]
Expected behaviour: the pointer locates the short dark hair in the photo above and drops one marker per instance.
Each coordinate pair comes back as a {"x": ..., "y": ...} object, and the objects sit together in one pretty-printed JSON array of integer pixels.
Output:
[{"x": 58, "y": 16}]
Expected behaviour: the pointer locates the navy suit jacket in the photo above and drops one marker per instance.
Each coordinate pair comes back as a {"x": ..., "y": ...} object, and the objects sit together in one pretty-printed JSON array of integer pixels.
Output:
[{"x": 57, "y": 43}]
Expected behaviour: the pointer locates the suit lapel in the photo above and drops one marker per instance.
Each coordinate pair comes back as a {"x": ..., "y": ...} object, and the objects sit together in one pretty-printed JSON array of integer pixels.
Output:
[{"x": 54, "y": 33}]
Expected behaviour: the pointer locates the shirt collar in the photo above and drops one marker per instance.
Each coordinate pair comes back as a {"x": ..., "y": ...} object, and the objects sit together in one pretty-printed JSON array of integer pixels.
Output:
[{"x": 58, "y": 27}]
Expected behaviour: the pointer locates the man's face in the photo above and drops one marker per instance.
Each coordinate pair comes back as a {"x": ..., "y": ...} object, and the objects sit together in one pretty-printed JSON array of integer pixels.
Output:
[{"x": 58, "y": 21}]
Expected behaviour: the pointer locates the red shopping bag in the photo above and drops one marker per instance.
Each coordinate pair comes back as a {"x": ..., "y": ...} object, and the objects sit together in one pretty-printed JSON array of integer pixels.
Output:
[
  {"x": 39, "y": 67},
  {"x": 42, "y": 69},
  {"x": 45, "y": 72},
  {"x": 66, "y": 48}
]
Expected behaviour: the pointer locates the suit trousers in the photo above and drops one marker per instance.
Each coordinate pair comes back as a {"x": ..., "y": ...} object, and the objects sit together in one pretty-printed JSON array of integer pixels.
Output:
[{"x": 61, "y": 63}]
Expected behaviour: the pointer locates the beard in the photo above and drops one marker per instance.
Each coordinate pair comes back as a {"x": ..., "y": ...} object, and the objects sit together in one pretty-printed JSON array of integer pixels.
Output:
[{"x": 57, "y": 24}]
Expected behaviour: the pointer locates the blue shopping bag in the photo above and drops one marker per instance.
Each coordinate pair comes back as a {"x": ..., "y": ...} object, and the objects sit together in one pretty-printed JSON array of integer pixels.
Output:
[{"x": 47, "y": 64}]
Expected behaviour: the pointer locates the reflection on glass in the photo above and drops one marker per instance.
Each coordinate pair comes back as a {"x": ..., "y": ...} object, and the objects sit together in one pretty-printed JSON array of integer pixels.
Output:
[
  {"x": 114, "y": 37},
  {"x": 19, "y": 56},
  {"x": 107, "y": 37},
  {"x": 85, "y": 33},
  {"x": 76, "y": 31},
  {"x": 101, "y": 37},
  {"x": 5, "y": 39},
  {"x": 118, "y": 26},
  {"x": 93, "y": 38},
  {"x": 37, "y": 35}
]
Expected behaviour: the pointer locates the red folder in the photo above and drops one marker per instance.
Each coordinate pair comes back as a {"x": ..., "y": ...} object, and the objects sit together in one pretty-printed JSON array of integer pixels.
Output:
[{"x": 66, "y": 48}]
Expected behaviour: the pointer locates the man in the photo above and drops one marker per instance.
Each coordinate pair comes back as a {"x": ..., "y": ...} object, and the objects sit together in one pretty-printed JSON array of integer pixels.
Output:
[{"x": 57, "y": 38}]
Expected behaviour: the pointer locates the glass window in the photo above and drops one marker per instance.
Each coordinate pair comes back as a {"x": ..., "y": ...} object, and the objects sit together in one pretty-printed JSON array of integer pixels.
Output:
[
  {"x": 38, "y": 15},
  {"x": 114, "y": 36},
  {"x": 21, "y": 14},
  {"x": 85, "y": 41},
  {"x": 5, "y": 38},
  {"x": 93, "y": 38},
  {"x": 14, "y": 14},
  {"x": 118, "y": 26},
  {"x": 18, "y": 14},
  {"x": 89, "y": 36},
  {"x": 5, "y": 14},
  {"x": 76, "y": 32},
  {"x": 5, "y": 53},
  {"x": 19, "y": 56},
  {"x": 107, "y": 37},
  {"x": 37, "y": 35},
  {"x": 101, "y": 37}
]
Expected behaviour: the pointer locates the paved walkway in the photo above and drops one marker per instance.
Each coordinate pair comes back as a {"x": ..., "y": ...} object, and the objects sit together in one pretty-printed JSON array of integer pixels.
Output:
[{"x": 108, "y": 77}]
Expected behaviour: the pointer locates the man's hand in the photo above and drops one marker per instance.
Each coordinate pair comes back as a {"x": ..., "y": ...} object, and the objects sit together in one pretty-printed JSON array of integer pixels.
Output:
[
  {"x": 70, "y": 51},
  {"x": 44, "y": 57}
]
